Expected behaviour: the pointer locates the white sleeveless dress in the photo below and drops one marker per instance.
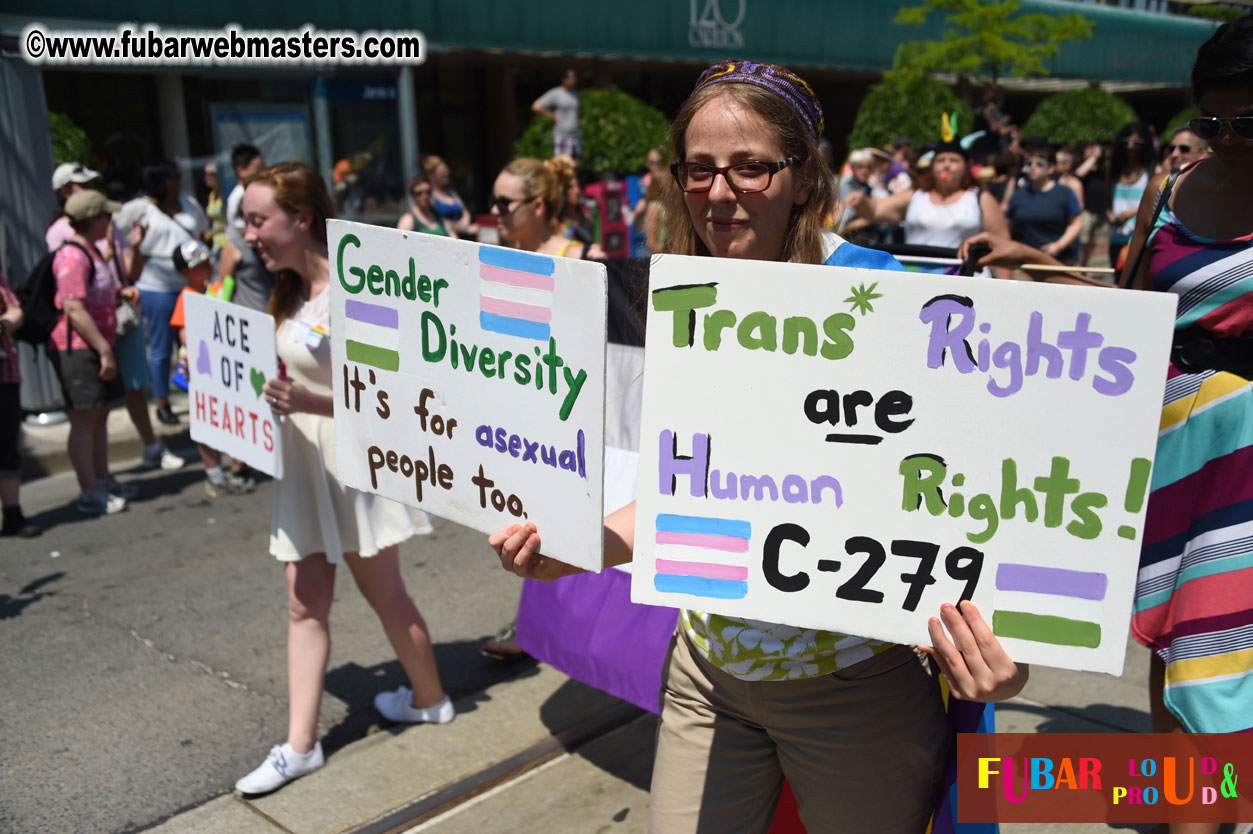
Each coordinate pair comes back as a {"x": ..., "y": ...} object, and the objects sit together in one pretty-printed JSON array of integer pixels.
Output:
[{"x": 313, "y": 511}]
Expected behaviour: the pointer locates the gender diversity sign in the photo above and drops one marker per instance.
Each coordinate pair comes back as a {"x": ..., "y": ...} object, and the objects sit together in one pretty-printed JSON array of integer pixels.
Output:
[
  {"x": 230, "y": 355},
  {"x": 470, "y": 382},
  {"x": 847, "y": 449}
]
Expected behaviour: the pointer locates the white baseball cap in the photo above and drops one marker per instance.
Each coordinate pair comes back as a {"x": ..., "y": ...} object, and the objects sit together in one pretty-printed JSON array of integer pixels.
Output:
[
  {"x": 72, "y": 172},
  {"x": 189, "y": 255}
]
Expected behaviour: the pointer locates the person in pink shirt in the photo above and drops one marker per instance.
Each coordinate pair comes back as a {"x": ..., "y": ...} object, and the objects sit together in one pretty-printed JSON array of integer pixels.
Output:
[
  {"x": 131, "y": 348},
  {"x": 87, "y": 294}
]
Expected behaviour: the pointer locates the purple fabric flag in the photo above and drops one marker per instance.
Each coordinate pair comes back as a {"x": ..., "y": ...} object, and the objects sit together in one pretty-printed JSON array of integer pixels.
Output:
[{"x": 587, "y": 627}]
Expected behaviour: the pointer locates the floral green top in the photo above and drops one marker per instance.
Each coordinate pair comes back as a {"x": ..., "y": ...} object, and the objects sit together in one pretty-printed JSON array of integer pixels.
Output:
[{"x": 753, "y": 650}]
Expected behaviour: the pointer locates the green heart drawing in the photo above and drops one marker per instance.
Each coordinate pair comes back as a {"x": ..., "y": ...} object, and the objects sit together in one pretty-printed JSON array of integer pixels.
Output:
[{"x": 257, "y": 379}]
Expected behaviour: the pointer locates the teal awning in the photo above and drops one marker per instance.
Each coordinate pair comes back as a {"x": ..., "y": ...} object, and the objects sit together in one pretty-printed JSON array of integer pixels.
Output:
[{"x": 1126, "y": 46}]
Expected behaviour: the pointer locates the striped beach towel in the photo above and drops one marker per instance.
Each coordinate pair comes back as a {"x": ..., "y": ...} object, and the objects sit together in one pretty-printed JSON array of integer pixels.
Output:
[{"x": 1194, "y": 591}]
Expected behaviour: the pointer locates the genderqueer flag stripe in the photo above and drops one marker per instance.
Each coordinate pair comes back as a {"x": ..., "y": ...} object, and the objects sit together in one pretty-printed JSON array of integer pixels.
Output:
[
  {"x": 1044, "y": 628},
  {"x": 1038, "y": 579},
  {"x": 372, "y": 313},
  {"x": 382, "y": 358}
]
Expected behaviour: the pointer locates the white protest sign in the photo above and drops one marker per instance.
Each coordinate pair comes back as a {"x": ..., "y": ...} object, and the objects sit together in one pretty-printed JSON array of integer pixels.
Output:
[
  {"x": 847, "y": 449},
  {"x": 470, "y": 382},
  {"x": 230, "y": 355}
]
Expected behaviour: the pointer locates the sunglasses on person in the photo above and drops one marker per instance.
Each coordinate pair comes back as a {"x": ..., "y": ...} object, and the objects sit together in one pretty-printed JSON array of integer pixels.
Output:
[
  {"x": 1208, "y": 127},
  {"x": 505, "y": 205},
  {"x": 743, "y": 177},
  {"x": 421, "y": 192},
  {"x": 1169, "y": 149},
  {"x": 1036, "y": 163}
]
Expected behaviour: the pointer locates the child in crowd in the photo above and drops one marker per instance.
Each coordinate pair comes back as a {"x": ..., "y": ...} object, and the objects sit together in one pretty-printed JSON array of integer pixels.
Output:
[{"x": 191, "y": 259}]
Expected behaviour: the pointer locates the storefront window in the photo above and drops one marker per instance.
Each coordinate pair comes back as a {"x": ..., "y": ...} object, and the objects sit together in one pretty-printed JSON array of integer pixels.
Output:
[{"x": 367, "y": 173}]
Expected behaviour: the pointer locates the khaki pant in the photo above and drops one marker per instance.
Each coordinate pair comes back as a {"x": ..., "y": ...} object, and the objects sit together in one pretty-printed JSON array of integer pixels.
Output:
[{"x": 864, "y": 749}]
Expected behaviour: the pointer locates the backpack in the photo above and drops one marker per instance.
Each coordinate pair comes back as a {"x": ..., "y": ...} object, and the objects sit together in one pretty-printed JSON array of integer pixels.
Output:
[{"x": 38, "y": 299}]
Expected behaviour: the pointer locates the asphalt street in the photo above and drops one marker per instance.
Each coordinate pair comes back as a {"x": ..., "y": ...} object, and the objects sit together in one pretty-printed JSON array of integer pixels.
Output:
[{"x": 144, "y": 660}]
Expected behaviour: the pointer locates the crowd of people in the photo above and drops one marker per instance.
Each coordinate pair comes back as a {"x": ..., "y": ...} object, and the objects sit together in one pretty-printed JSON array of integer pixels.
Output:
[
  {"x": 749, "y": 178},
  {"x": 1063, "y": 200}
]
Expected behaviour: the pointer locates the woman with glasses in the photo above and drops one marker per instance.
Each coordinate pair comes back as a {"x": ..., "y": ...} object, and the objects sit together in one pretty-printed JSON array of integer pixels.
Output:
[
  {"x": 856, "y": 726},
  {"x": 945, "y": 207},
  {"x": 422, "y": 217},
  {"x": 1192, "y": 602},
  {"x": 1129, "y": 168},
  {"x": 529, "y": 197}
]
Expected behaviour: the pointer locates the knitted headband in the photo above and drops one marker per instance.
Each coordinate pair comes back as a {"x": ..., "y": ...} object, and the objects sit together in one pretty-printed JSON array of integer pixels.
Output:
[{"x": 779, "y": 80}]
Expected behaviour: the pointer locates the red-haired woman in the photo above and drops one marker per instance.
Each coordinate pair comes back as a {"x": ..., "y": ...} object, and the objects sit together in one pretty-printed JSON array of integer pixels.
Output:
[{"x": 317, "y": 522}]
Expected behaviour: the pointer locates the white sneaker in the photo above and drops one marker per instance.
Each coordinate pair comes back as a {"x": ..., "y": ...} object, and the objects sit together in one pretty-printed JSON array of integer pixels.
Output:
[
  {"x": 280, "y": 767},
  {"x": 162, "y": 458},
  {"x": 398, "y": 706},
  {"x": 99, "y": 502}
]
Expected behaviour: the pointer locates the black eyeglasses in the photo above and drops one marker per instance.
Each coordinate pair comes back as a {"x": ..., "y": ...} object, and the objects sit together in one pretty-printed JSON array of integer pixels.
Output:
[
  {"x": 421, "y": 192},
  {"x": 1169, "y": 149},
  {"x": 505, "y": 205},
  {"x": 743, "y": 177},
  {"x": 1208, "y": 127},
  {"x": 1036, "y": 163}
]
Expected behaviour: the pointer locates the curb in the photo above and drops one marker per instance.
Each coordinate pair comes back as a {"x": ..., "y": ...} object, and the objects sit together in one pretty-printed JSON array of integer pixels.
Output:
[
  {"x": 44, "y": 448},
  {"x": 48, "y": 462}
]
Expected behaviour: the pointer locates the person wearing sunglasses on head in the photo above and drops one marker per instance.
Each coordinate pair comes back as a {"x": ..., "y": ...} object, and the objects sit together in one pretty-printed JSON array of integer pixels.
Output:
[
  {"x": 1191, "y": 603},
  {"x": 1184, "y": 147}
]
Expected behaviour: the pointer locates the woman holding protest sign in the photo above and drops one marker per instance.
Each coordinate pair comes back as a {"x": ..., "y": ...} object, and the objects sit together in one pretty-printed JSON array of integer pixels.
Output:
[
  {"x": 317, "y": 522},
  {"x": 739, "y": 713},
  {"x": 529, "y": 198},
  {"x": 1195, "y": 231}
]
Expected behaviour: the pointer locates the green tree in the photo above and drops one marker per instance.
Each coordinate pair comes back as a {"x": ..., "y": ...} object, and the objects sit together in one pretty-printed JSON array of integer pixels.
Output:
[
  {"x": 893, "y": 108},
  {"x": 69, "y": 141},
  {"x": 1217, "y": 11},
  {"x": 618, "y": 131},
  {"x": 1079, "y": 116},
  {"x": 985, "y": 37}
]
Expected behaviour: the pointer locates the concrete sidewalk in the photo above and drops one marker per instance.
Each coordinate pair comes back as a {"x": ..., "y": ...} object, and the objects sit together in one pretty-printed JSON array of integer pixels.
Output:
[
  {"x": 541, "y": 753},
  {"x": 44, "y": 447}
]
